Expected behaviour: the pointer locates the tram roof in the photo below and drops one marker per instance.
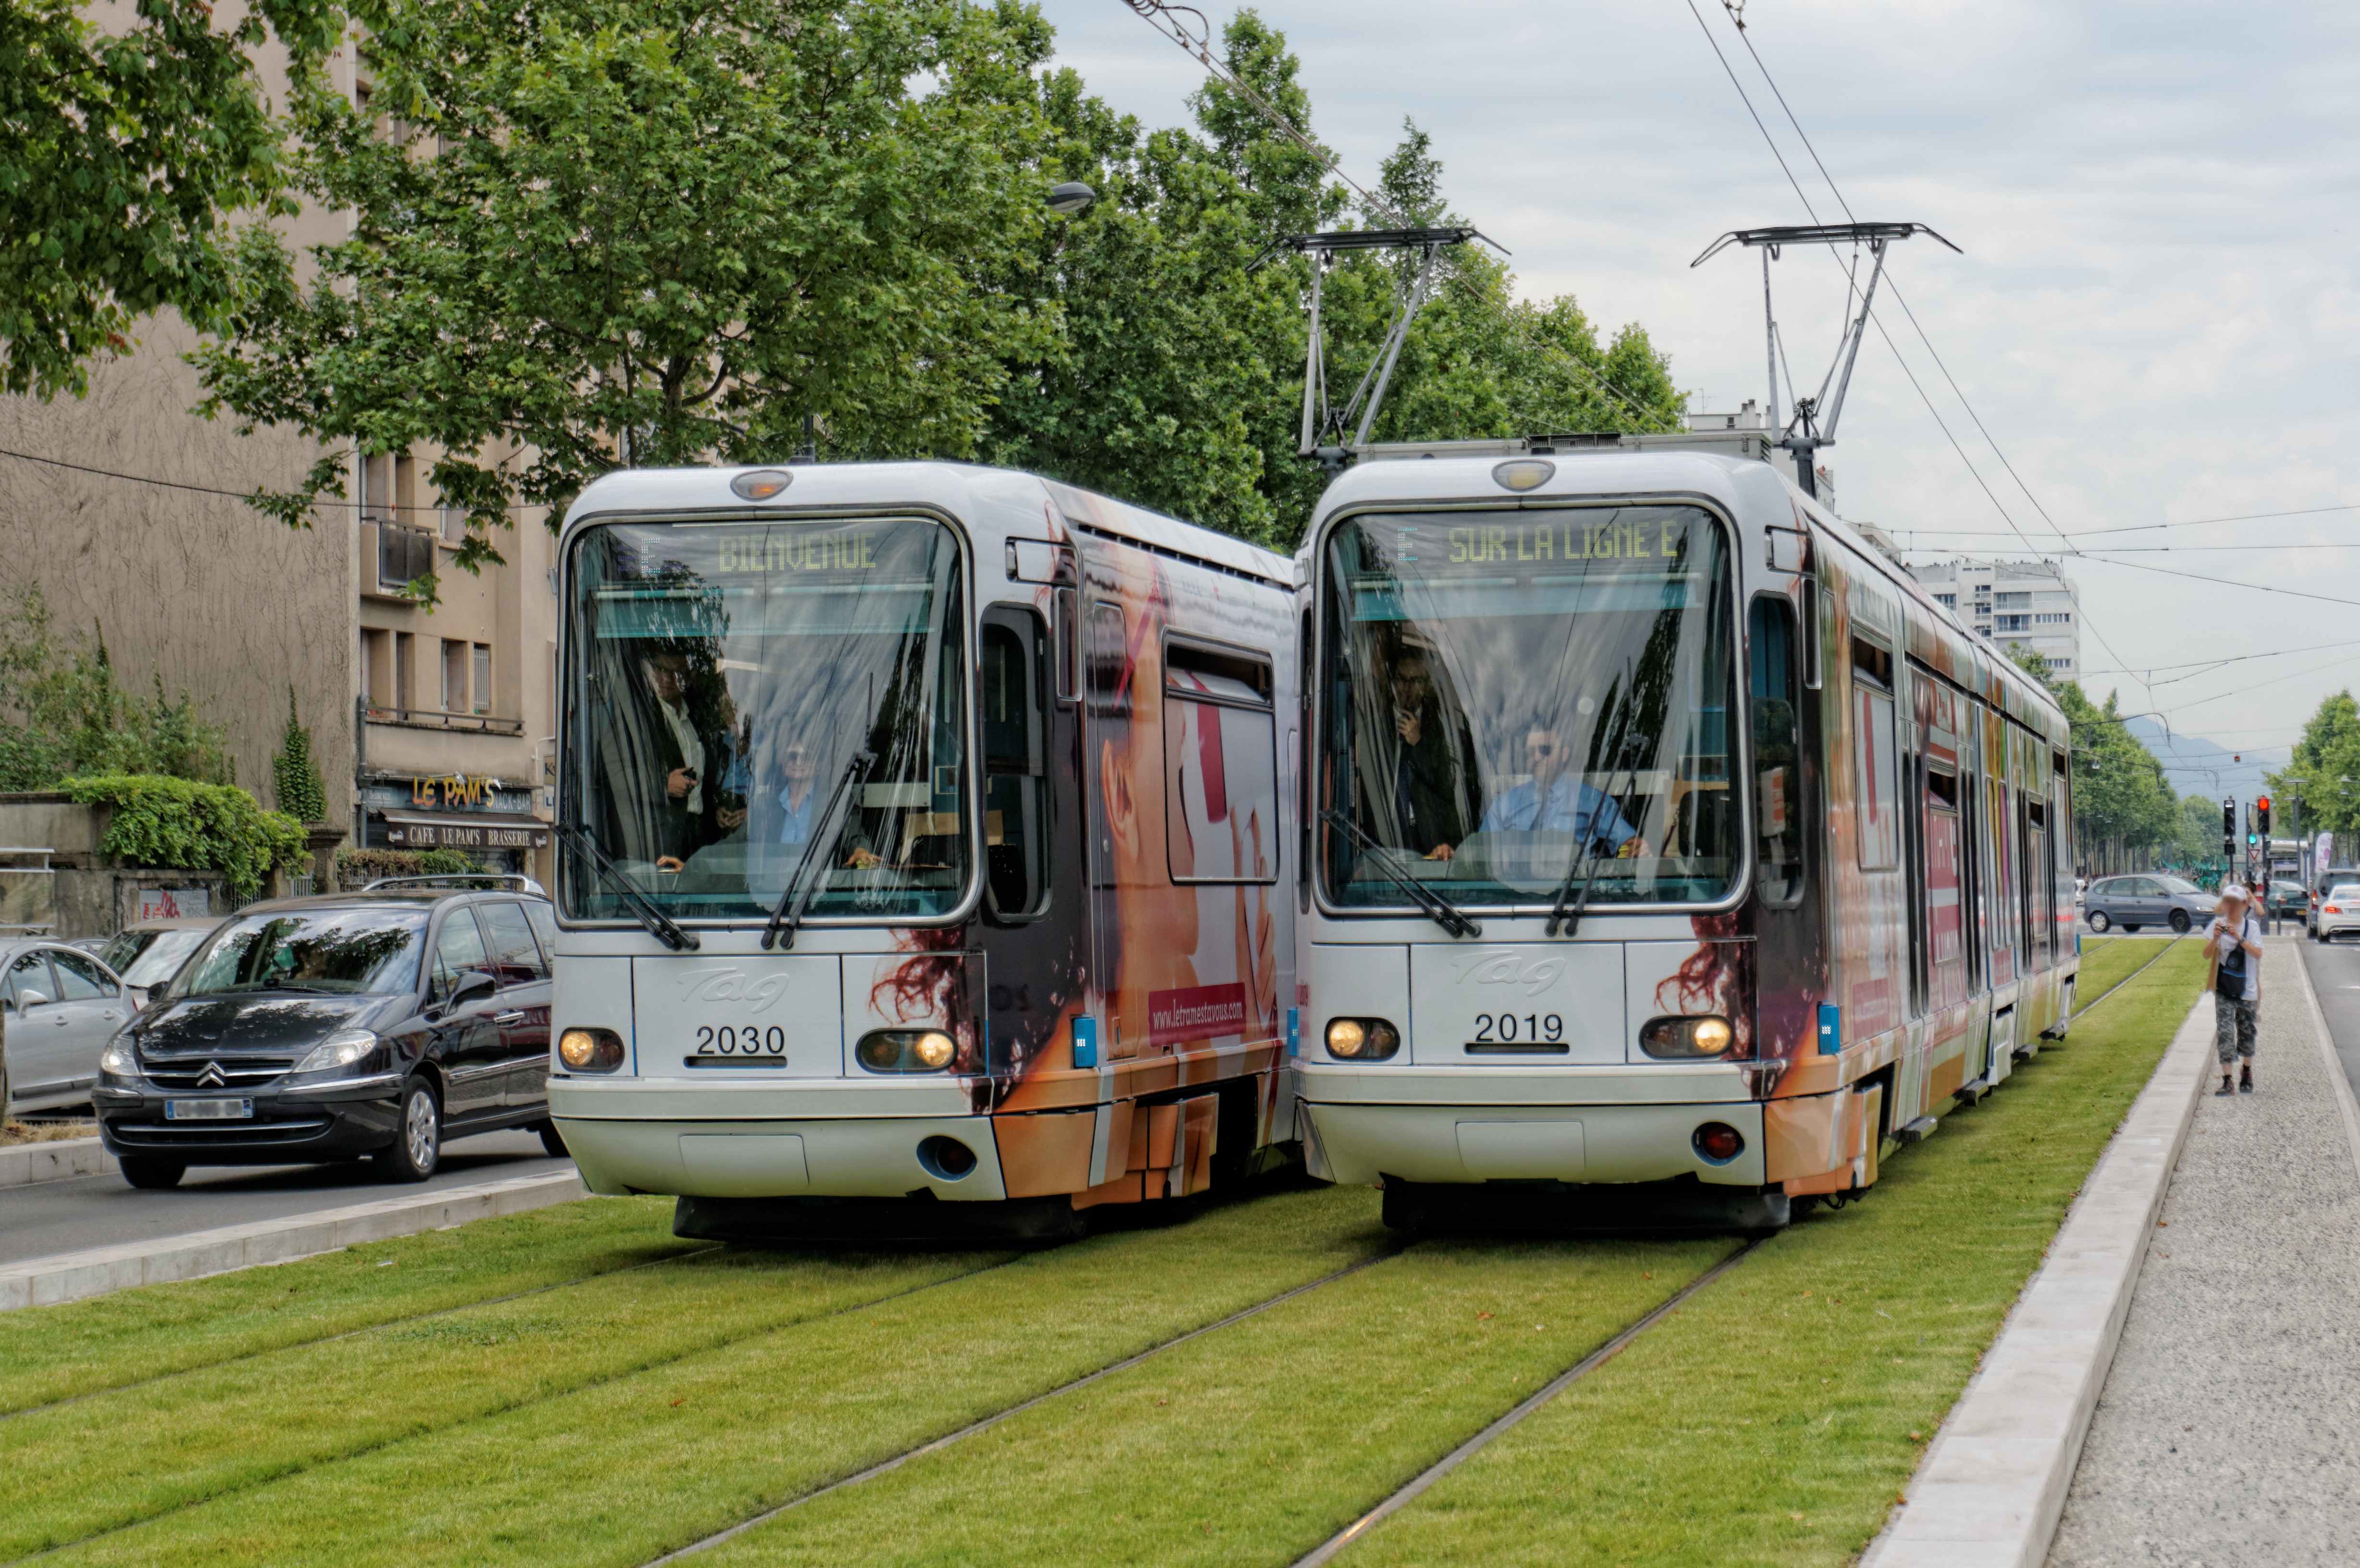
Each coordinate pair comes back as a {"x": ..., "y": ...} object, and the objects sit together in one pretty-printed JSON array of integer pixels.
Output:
[{"x": 1007, "y": 499}]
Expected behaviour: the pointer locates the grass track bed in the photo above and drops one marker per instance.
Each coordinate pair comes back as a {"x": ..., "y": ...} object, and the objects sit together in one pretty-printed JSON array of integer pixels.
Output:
[
  {"x": 106, "y": 1462},
  {"x": 622, "y": 1470},
  {"x": 1776, "y": 1418},
  {"x": 59, "y": 1352},
  {"x": 1258, "y": 1442}
]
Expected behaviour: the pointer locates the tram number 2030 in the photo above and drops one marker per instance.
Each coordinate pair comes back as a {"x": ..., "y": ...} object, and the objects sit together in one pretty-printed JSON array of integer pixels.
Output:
[
  {"x": 1509, "y": 1027},
  {"x": 727, "y": 1041}
]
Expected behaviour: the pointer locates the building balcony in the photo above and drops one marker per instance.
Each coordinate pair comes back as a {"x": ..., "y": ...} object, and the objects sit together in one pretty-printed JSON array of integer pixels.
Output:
[{"x": 435, "y": 719}]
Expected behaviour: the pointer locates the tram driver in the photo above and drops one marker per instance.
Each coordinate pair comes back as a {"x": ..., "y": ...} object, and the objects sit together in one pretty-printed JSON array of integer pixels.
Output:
[{"x": 1555, "y": 800}]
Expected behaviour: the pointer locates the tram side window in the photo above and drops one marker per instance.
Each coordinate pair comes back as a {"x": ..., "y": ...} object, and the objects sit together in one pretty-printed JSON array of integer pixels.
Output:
[
  {"x": 1876, "y": 805},
  {"x": 1772, "y": 664},
  {"x": 1015, "y": 763},
  {"x": 1220, "y": 764}
]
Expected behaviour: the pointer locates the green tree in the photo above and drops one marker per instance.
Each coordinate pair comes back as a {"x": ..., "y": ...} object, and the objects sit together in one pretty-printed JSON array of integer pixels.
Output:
[
  {"x": 302, "y": 794},
  {"x": 123, "y": 148},
  {"x": 2324, "y": 770},
  {"x": 591, "y": 235}
]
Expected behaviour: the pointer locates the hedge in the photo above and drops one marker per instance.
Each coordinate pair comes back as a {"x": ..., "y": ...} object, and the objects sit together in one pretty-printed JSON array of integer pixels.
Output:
[{"x": 184, "y": 825}]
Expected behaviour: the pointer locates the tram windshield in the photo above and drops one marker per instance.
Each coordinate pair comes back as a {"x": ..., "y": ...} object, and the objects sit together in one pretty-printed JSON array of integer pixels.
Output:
[
  {"x": 723, "y": 682},
  {"x": 1528, "y": 705}
]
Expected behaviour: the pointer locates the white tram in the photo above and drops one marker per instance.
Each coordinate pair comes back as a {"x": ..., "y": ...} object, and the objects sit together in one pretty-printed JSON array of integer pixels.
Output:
[
  {"x": 926, "y": 852},
  {"x": 1667, "y": 848}
]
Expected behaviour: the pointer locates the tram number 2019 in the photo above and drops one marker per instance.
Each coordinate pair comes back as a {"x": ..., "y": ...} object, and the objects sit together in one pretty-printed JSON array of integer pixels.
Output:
[
  {"x": 1512, "y": 1027},
  {"x": 727, "y": 1041}
]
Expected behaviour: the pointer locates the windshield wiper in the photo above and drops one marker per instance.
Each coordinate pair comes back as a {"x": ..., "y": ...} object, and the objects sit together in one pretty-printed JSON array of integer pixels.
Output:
[
  {"x": 658, "y": 925},
  {"x": 1627, "y": 740},
  {"x": 276, "y": 984},
  {"x": 1438, "y": 910},
  {"x": 783, "y": 920}
]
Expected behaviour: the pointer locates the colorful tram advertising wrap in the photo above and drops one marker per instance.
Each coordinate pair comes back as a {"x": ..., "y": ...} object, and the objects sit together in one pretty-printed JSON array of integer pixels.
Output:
[
  {"x": 1667, "y": 851},
  {"x": 926, "y": 841}
]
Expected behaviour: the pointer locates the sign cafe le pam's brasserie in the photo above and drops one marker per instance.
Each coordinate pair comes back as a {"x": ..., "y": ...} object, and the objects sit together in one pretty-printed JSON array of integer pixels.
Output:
[{"x": 455, "y": 812}]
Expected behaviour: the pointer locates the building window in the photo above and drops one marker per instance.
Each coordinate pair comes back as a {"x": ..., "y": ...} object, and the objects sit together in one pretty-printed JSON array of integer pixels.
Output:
[
  {"x": 2061, "y": 664},
  {"x": 454, "y": 524},
  {"x": 404, "y": 689},
  {"x": 2015, "y": 623},
  {"x": 2015, "y": 601},
  {"x": 483, "y": 677},
  {"x": 454, "y": 676},
  {"x": 1947, "y": 601},
  {"x": 2061, "y": 618}
]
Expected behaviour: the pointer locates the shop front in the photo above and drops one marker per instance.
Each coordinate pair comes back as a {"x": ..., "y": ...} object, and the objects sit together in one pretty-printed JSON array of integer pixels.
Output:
[{"x": 488, "y": 819}]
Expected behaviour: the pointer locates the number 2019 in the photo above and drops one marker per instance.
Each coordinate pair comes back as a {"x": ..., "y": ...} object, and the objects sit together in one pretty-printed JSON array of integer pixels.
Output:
[{"x": 1510, "y": 1028}]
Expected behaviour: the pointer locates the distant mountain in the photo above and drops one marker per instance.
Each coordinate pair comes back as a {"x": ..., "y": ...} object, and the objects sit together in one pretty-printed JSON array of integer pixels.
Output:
[{"x": 2199, "y": 766}]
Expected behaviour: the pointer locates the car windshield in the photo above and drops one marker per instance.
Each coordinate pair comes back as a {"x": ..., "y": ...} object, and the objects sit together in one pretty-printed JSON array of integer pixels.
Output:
[
  {"x": 341, "y": 951},
  {"x": 150, "y": 957},
  {"x": 2180, "y": 885},
  {"x": 1516, "y": 701},
  {"x": 722, "y": 682}
]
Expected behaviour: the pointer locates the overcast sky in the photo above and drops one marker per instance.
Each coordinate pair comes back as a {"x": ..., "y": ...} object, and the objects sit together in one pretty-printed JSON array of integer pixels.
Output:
[{"x": 2155, "y": 316}]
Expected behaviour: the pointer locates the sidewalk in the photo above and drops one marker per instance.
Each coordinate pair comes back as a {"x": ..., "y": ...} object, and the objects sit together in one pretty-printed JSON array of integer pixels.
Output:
[{"x": 2229, "y": 1429}]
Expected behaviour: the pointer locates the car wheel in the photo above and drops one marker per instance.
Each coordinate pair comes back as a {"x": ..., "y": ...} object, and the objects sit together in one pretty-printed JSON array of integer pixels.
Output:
[
  {"x": 418, "y": 1141},
  {"x": 2099, "y": 920},
  {"x": 2180, "y": 923},
  {"x": 151, "y": 1174},
  {"x": 549, "y": 1139},
  {"x": 2130, "y": 928}
]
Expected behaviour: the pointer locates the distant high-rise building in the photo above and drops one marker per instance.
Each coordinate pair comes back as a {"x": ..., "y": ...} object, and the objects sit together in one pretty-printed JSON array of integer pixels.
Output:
[{"x": 2029, "y": 604}]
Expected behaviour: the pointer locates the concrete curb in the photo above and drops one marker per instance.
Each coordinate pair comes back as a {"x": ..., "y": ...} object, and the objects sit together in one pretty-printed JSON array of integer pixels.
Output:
[
  {"x": 1992, "y": 1484},
  {"x": 78, "y": 1275},
  {"x": 25, "y": 1164}
]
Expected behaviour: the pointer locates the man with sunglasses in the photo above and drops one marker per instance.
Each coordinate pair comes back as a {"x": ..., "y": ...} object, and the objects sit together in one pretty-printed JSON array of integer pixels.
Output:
[{"x": 1555, "y": 800}]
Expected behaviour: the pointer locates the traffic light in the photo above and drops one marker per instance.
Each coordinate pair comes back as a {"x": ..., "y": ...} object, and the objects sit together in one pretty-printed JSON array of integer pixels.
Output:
[
  {"x": 2228, "y": 827},
  {"x": 2262, "y": 816}
]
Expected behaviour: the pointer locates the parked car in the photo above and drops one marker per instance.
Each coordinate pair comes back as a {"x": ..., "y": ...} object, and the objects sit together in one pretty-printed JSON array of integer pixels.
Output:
[
  {"x": 2339, "y": 911},
  {"x": 59, "y": 1006},
  {"x": 2156, "y": 899},
  {"x": 2334, "y": 877},
  {"x": 378, "y": 1023},
  {"x": 147, "y": 954}
]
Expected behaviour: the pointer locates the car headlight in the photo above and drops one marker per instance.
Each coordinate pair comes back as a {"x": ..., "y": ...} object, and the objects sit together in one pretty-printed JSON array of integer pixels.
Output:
[
  {"x": 118, "y": 1060},
  {"x": 339, "y": 1051}
]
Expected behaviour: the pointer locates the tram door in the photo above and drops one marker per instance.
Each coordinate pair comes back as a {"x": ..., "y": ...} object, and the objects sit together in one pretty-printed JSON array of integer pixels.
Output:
[
  {"x": 1789, "y": 924},
  {"x": 1107, "y": 698}
]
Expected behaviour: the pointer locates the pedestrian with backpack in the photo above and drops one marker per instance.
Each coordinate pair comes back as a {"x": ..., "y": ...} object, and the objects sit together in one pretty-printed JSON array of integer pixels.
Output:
[{"x": 2233, "y": 942}]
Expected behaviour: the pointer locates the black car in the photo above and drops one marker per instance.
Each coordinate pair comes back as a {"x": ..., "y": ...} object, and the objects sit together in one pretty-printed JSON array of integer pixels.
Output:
[{"x": 376, "y": 1023}]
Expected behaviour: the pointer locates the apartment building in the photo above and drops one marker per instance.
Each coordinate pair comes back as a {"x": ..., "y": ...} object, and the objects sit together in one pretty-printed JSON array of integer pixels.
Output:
[
  {"x": 428, "y": 725},
  {"x": 2027, "y": 604}
]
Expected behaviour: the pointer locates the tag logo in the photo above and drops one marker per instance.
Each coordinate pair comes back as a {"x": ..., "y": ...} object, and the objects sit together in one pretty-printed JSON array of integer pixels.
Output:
[
  {"x": 1505, "y": 966},
  {"x": 728, "y": 985}
]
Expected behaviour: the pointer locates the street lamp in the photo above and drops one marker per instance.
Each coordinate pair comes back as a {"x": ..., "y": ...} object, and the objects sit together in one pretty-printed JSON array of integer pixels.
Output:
[{"x": 1069, "y": 198}]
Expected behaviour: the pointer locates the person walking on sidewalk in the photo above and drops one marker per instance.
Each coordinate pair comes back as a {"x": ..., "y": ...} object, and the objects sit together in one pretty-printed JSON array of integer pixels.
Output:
[{"x": 2233, "y": 942}]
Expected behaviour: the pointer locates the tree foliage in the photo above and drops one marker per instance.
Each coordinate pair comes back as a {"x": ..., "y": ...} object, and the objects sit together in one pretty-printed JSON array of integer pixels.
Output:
[
  {"x": 1175, "y": 379},
  {"x": 628, "y": 233},
  {"x": 64, "y": 709},
  {"x": 184, "y": 825},
  {"x": 123, "y": 148},
  {"x": 2324, "y": 770},
  {"x": 2120, "y": 792}
]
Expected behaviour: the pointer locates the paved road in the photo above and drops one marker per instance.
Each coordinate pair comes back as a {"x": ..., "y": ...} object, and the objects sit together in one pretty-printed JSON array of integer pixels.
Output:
[
  {"x": 2335, "y": 975},
  {"x": 2229, "y": 1430},
  {"x": 50, "y": 1217}
]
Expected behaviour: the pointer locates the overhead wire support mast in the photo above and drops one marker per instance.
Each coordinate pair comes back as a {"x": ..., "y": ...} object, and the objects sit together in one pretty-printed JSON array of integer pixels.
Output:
[
  {"x": 1802, "y": 436},
  {"x": 1323, "y": 423}
]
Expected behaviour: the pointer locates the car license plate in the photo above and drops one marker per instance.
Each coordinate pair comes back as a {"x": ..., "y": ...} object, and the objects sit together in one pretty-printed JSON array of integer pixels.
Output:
[{"x": 208, "y": 1110}]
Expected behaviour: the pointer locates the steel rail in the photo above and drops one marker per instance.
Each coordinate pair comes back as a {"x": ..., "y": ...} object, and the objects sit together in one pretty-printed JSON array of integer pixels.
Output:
[{"x": 885, "y": 1466}]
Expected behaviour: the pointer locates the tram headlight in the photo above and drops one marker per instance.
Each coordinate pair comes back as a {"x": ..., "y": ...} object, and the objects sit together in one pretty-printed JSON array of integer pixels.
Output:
[
  {"x": 1686, "y": 1040},
  {"x": 590, "y": 1050},
  {"x": 905, "y": 1050},
  {"x": 1361, "y": 1040}
]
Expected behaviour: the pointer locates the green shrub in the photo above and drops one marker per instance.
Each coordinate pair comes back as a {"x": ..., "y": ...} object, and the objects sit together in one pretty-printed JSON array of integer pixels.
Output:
[
  {"x": 301, "y": 793},
  {"x": 356, "y": 866},
  {"x": 186, "y": 826}
]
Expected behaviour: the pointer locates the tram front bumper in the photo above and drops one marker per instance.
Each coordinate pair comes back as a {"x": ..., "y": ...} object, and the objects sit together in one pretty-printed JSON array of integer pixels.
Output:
[
  {"x": 1478, "y": 1125},
  {"x": 776, "y": 1140}
]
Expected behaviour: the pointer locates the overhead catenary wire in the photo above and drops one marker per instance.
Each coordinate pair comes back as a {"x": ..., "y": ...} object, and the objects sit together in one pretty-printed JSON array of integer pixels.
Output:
[{"x": 246, "y": 495}]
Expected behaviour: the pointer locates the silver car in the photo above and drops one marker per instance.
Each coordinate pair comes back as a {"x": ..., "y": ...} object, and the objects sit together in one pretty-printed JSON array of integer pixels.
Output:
[
  {"x": 59, "y": 1006},
  {"x": 2153, "y": 899}
]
